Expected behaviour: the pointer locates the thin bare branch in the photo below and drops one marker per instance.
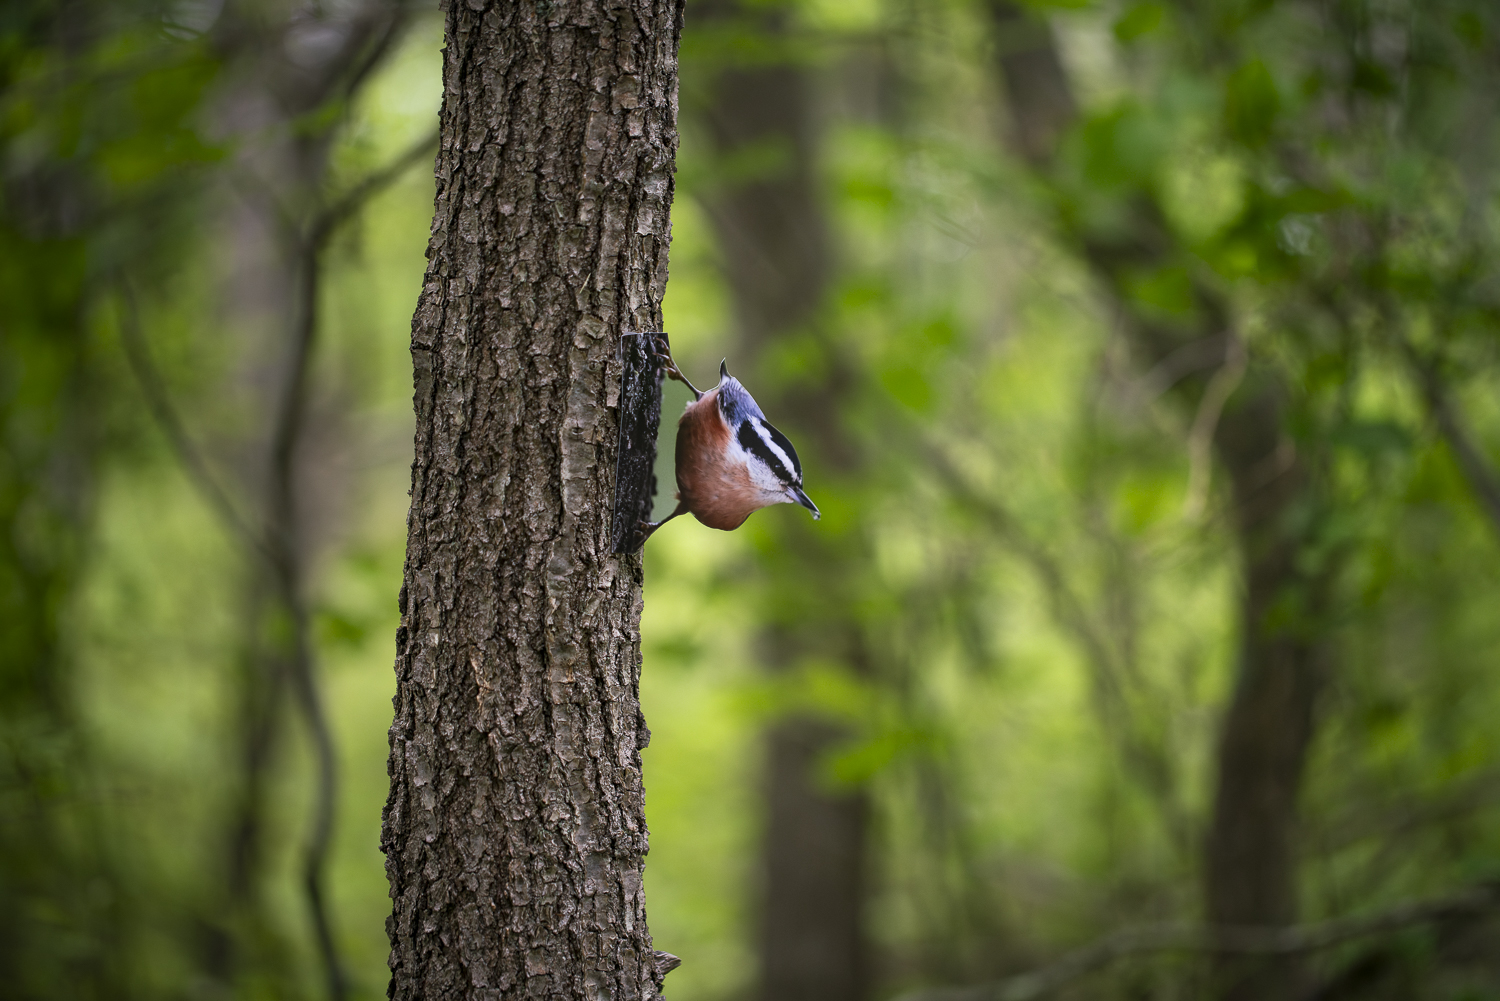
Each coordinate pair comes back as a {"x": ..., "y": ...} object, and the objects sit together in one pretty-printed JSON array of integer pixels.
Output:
[
  {"x": 1201, "y": 438},
  {"x": 280, "y": 553},
  {"x": 1071, "y": 614},
  {"x": 279, "y": 545},
  {"x": 286, "y": 545},
  {"x": 159, "y": 402},
  {"x": 1445, "y": 413},
  {"x": 1193, "y": 357},
  {"x": 1283, "y": 941},
  {"x": 350, "y": 203},
  {"x": 285, "y": 540}
]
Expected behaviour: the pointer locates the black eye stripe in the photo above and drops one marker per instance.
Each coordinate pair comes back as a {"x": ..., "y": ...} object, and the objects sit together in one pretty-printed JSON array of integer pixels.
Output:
[
  {"x": 750, "y": 439},
  {"x": 786, "y": 446}
]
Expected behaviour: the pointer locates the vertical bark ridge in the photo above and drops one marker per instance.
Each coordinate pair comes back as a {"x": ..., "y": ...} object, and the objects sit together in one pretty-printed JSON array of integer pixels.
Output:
[{"x": 515, "y": 830}]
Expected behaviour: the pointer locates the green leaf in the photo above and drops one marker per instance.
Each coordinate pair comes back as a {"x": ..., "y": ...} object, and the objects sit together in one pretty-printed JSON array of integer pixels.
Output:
[
  {"x": 1121, "y": 148},
  {"x": 1168, "y": 290},
  {"x": 1139, "y": 21}
]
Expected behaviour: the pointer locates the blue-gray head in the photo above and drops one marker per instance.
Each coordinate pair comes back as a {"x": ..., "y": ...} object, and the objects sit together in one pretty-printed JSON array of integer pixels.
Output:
[{"x": 770, "y": 457}]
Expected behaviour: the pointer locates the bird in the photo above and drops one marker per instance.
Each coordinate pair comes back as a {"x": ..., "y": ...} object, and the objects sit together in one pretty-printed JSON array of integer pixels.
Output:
[{"x": 731, "y": 461}]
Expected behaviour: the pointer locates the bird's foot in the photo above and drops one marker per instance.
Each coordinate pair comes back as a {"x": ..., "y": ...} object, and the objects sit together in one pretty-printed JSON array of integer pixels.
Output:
[{"x": 669, "y": 367}]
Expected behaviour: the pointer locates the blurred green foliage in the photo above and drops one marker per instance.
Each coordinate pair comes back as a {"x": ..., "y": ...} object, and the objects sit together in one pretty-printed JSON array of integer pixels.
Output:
[
  {"x": 1052, "y": 623},
  {"x": 96, "y": 143}
]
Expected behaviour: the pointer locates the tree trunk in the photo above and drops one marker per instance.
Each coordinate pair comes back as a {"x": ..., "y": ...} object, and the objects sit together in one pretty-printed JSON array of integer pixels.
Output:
[
  {"x": 811, "y": 934},
  {"x": 515, "y": 832},
  {"x": 1250, "y": 863},
  {"x": 775, "y": 242}
]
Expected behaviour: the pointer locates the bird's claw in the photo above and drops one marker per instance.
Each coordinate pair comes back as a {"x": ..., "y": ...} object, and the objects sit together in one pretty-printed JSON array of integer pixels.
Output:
[{"x": 669, "y": 367}]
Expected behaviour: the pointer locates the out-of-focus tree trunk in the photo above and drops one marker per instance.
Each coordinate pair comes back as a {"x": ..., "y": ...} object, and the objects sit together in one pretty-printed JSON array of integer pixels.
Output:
[
  {"x": 283, "y": 64},
  {"x": 1250, "y": 859},
  {"x": 775, "y": 242},
  {"x": 514, "y": 833},
  {"x": 811, "y": 932}
]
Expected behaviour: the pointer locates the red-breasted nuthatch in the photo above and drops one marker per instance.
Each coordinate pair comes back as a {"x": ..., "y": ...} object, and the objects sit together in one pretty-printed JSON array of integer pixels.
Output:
[{"x": 730, "y": 460}]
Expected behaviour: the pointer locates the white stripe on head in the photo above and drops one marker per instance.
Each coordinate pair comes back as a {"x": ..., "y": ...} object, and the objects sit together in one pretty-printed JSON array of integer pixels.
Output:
[{"x": 764, "y": 434}]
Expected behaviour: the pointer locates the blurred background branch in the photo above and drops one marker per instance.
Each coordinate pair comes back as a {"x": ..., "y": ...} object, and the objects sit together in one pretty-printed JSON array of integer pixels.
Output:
[
  {"x": 158, "y": 400},
  {"x": 1190, "y": 938}
]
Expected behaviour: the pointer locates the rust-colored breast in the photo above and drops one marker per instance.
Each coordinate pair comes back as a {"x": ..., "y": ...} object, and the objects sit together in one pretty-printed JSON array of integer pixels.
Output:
[{"x": 719, "y": 494}]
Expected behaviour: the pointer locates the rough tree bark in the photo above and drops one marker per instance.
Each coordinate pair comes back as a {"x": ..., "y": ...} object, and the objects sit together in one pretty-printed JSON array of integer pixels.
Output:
[
  {"x": 775, "y": 242},
  {"x": 515, "y": 833},
  {"x": 1250, "y": 858}
]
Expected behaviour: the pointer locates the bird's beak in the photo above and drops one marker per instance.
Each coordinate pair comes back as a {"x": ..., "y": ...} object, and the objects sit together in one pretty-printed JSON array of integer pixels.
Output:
[
  {"x": 805, "y": 501},
  {"x": 724, "y": 369}
]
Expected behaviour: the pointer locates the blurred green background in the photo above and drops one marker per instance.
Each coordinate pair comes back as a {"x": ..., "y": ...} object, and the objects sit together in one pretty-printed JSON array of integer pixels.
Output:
[{"x": 1016, "y": 630}]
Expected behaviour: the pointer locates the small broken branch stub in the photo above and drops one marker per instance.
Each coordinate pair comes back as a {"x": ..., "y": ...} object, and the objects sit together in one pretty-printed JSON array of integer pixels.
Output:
[{"x": 640, "y": 420}]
